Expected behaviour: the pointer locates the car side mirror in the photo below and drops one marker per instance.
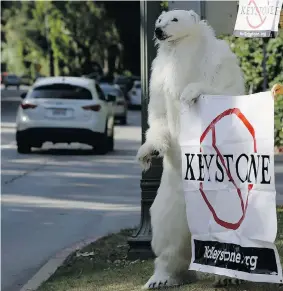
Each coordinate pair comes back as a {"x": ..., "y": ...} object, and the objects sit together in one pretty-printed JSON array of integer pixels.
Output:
[
  {"x": 23, "y": 95},
  {"x": 110, "y": 98}
]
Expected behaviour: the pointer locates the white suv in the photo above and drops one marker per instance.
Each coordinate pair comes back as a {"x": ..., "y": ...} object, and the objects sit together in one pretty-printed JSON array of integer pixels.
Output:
[
  {"x": 66, "y": 109},
  {"x": 135, "y": 94}
]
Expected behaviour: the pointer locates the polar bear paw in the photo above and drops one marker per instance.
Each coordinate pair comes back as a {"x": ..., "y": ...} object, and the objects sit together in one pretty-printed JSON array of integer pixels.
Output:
[
  {"x": 190, "y": 94},
  {"x": 162, "y": 280},
  {"x": 145, "y": 154}
]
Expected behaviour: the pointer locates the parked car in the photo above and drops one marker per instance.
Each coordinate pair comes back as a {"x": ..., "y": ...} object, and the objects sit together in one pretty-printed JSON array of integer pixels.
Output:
[
  {"x": 121, "y": 106},
  {"x": 3, "y": 74},
  {"x": 94, "y": 75},
  {"x": 65, "y": 110},
  {"x": 26, "y": 80},
  {"x": 135, "y": 95},
  {"x": 12, "y": 80},
  {"x": 125, "y": 83}
]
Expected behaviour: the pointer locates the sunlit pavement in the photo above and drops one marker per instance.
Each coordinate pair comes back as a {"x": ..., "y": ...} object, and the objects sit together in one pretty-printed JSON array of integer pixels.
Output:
[{"x": 62, "y": 194}]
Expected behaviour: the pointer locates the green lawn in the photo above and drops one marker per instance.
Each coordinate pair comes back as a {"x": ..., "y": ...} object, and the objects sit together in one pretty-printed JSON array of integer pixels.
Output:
[{"x": 106, "y": 268}]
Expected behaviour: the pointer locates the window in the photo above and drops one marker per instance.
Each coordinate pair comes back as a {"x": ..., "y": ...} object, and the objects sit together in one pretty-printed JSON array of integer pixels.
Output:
[
  {"x": 61, "y": 91},
  {"x": 100, "y": 93},
  {"x": 110, "y": 90}
]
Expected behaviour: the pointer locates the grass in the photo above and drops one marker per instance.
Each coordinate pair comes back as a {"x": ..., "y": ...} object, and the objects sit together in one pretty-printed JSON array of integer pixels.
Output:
[{"x": 104, "y": 267}]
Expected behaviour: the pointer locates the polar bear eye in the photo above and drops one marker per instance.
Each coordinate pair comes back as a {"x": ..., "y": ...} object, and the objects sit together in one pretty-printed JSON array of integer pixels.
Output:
[{"x": 175, "y": 19}]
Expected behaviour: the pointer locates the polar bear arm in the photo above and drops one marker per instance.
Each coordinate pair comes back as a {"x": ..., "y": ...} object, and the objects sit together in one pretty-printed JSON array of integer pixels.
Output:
[
  {"x": 158, "y": 133},
  {"x": 225, "y": 78}
]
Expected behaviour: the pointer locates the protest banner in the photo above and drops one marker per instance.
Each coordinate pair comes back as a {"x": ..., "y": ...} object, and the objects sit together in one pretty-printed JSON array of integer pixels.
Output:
[
  {"x": 228, "y": 177},
  {"x": 258, "y": 18}
]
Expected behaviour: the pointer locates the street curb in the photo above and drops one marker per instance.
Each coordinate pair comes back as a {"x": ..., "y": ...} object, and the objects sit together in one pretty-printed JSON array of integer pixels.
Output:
[{"x": 53, "y": 264}]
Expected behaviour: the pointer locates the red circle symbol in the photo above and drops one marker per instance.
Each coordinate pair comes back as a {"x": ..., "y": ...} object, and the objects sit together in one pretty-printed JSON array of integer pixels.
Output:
[
  {"x": 260, "y": 16},
  {"x": 244, "y": 205}
]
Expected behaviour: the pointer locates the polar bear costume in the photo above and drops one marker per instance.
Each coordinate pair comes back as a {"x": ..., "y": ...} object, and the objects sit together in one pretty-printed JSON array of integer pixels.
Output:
[{"x": 190, "y": 61}]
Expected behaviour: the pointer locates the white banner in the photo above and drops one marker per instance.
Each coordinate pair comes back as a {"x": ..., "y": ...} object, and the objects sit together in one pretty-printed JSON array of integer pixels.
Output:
[
  {"x": 257, "y": 18},
  {"x": 228, "y": 178}
]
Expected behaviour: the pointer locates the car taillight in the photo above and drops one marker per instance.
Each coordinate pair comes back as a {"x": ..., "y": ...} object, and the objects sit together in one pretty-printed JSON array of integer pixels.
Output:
[
  {"x": 95, "y": 107},
  {"x": 28, "y": 106}
]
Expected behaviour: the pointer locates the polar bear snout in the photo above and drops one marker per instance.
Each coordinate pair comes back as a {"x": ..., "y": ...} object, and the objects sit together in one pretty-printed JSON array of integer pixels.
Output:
[{"x": 160, "y": 34}]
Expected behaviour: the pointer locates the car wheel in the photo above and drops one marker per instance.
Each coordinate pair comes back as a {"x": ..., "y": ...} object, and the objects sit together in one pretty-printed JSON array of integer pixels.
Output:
[
  {"x": 101, "y": 147},
  {"x": 23, "y": 148},
  {"x": 123, "y": 120},
  {"x": 111, "y": 141}
]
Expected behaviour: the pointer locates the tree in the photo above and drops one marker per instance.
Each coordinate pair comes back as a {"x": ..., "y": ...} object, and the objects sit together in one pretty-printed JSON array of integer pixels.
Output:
[{"x": 67, "y": 37}]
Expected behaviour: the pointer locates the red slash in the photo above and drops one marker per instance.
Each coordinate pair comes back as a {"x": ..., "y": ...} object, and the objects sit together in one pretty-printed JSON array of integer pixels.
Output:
[
  {"x": 244, "y": 206},
  {"x": 262, "y": 20}
]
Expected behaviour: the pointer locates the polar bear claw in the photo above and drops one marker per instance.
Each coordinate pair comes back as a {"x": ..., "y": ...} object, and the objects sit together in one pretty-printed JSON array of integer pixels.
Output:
[
  {"x": 161, "y": 280},
  {"x": 146, "y": 153}
]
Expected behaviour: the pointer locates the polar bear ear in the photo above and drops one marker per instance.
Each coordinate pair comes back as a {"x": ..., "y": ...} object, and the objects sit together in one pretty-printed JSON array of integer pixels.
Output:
[{"x": 195, "y": 16}]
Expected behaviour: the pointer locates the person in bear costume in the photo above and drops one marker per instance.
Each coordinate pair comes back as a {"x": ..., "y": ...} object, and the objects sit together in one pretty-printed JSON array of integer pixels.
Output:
[{"x": 190, "y": 61}]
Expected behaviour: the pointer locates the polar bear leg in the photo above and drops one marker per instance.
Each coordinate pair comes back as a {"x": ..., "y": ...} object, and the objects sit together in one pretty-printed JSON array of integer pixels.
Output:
[{"x": 171, "y": 237}]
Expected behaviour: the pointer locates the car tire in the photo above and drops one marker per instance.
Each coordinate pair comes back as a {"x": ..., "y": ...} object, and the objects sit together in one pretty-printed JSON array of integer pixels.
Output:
[
  {"x": 23, "y": 148},
  {"x": 123, "y": 120},
  {"x": 111, "y": 141},
  {"x": 102, "y": 147}
]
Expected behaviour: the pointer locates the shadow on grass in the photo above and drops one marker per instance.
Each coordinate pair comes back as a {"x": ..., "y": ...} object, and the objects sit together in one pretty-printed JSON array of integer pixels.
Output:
[{"x": 102, "y": 266}]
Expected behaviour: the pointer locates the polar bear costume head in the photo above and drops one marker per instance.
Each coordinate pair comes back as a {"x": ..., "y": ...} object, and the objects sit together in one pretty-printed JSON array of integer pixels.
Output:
[{"x": 175, "y": 25}]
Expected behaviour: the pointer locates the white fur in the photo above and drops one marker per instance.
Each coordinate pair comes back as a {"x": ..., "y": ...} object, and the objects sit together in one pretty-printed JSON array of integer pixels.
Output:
[{"x": 190, "y": 62}]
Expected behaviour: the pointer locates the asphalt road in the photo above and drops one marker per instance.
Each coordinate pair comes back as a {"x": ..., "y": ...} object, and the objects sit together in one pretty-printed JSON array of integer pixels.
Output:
[{"x": 55, "y": 197}]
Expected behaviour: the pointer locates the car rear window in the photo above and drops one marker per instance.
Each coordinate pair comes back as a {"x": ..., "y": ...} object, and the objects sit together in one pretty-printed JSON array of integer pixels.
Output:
[
  {"x": 61, "y": 91},
  {"x": 111, "y": 90},
  {"x": 138, "y": 86}
]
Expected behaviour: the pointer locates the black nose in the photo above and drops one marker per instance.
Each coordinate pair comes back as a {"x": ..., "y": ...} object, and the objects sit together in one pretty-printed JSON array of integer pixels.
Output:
[{"x": 158, "y": 32}]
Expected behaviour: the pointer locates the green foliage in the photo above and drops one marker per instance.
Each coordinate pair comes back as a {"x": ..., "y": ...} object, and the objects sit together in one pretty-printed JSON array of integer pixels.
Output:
[
  {"x": 77, "y": 33},
  {"x": 250, "y": 55},
  {"x": 164, "y": 5},
  {"x": 127, "y": 73}
]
